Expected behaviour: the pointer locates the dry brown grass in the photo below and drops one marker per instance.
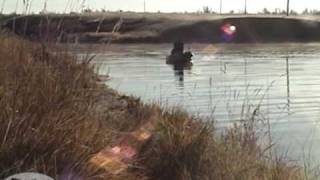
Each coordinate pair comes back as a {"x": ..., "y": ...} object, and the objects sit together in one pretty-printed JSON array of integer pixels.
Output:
[
  {"x": 48, "y": 123},
  {"x": 54, "y": 116},
  {"x": 51, "y": 117},
  {"x": 184, "y": 148}
]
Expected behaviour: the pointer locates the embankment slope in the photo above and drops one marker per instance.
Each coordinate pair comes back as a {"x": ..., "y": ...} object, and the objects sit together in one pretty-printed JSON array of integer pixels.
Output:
[{"x": 163, "y": 29}]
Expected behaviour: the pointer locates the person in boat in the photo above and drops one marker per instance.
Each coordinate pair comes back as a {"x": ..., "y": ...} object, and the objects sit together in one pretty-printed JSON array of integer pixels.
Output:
[
  {"x": 178, "y": 49},
  {"x": 178, "y": 55}
]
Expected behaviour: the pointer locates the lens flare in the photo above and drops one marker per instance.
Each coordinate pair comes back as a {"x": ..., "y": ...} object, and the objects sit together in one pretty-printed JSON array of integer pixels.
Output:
[
  {"x": 228, "y": 32},
  {"x": 233, "y": 28}
]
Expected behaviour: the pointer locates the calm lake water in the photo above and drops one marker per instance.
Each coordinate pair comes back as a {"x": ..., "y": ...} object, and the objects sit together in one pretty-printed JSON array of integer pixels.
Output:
[{"x": 227, "y": 82}]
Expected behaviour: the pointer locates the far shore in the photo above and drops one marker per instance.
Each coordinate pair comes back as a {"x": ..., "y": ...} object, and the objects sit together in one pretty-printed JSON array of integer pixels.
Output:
[{"x": 163, "y": 28}]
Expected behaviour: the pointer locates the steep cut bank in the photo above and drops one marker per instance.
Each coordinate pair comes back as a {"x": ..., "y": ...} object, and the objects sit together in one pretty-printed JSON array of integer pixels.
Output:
[{"x": 162, "y": 29}]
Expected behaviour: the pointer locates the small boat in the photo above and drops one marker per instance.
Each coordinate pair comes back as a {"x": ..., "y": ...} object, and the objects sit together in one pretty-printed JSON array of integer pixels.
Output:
[{"x": 180, "y": 59}]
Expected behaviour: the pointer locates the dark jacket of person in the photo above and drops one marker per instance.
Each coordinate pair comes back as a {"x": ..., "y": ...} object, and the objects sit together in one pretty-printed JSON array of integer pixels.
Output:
[{"x": 178, "y": 48}]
